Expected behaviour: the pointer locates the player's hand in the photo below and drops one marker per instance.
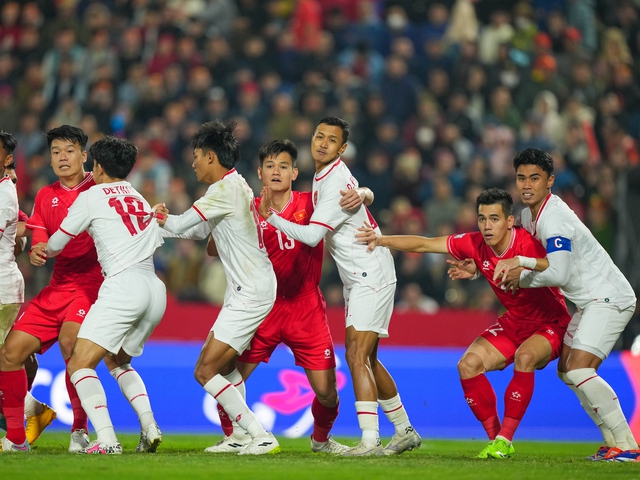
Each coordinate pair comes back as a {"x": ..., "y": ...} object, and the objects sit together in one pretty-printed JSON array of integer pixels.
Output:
[
  {"x": 38, "y": 254},
  {"x": 265, "y": 203},
  {"x": 351, "y": 199},
  {"x": 510, "y": 285},
  {"x": 507, "y": 270},
  {"x": 462, "y": 269},
  {"x": 160, "y": 212},
  {"x": 368, "y": 235}
]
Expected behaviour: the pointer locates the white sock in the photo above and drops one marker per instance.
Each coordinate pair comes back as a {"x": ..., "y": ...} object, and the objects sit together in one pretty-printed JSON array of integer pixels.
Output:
[
  {"x": 368, "y": 421},
  {"x": 235, "y": 379},
  {"x": 605, "y": 402},
  {"x": 231, "y": 400},
  {"x": 134, "y": 390},
  {"x": 396, "y": 414},
  {"x": 32, "y": 406},
  {"x": 609, "y": 441},
  {"x": 94, "y": 402}
]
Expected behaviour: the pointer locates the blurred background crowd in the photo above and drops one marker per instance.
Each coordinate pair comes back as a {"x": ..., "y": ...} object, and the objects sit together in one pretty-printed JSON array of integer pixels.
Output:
[{"x": 439, "y": 95}]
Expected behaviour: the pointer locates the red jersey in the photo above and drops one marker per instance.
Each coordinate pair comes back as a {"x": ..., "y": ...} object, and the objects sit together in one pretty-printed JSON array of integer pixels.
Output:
[
  {"x": 532, "y": 305},
  {"x": 298, "y": 267},
  {"x": 78, "y": 262}
]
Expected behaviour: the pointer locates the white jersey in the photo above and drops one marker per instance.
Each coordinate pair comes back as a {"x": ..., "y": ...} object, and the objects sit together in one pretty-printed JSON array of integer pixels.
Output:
[
  {"x": 11, "y": 280},
  {"x": 356, "y": 264},
  {"x": 120, "y": 222},
  {"x": 593, "y": 275},
  {"x": 231, "y": 217}
]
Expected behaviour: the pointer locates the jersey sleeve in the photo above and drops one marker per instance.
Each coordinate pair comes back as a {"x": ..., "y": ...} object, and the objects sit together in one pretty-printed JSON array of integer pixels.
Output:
[
  {"x": 36, "y": 223},
  {"x": 310, "y": 234},
  {"x": 197, "y": 232},
  {"x": 77, "y": 221},
  {"x": 218, "y": 202},
  {"x": 460, "y": 246}
]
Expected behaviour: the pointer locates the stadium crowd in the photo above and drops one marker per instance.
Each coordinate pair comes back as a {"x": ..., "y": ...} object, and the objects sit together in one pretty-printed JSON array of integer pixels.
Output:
[{"x": 440, "y": 95}]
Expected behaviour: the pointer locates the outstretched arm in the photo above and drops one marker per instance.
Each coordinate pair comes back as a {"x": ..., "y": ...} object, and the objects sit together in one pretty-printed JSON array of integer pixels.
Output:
[
  {"x": 557, "y": 273},
  {"x": 406, "y": 243}
]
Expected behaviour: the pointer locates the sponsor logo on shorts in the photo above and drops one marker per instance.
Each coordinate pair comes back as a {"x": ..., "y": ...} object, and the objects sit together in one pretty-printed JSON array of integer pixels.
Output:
[
  {"x": 327, "y": 353},
  {"x": 81, "y": 312}
]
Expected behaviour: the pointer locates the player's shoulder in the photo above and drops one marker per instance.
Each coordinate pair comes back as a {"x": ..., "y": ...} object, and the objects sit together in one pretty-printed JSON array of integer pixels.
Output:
[{"x": 525, "y": 242}]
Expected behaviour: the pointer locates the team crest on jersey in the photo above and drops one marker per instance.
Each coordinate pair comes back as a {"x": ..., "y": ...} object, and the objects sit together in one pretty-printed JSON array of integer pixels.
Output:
[
  {"x": 300, "y": 215},
  {"x": 54, "y": 202},
  {"x": 315, "y": 198}
]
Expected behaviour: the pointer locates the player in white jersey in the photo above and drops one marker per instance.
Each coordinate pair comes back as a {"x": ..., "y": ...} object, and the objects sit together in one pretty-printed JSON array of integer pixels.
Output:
[
  {"x": 228, "y": 213},
  {"x": 369, "y": 282},
  {"x": 131, "y": 300},
  {"x": 587, "y": 276}
]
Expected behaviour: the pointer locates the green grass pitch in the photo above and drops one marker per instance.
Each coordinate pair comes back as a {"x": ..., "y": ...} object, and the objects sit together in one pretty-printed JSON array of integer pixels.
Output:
[{"x": 182, "y": 457}]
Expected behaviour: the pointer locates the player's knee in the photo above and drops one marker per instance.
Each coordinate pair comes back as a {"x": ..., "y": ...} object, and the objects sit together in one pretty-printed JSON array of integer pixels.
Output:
[
  {"x": 66, "y": 346},
  {"x": 563, "y": 376},
  {"x": 203, "y": 374},
  {"x": 327, "y": 396},
  {"x": 526, "y": 360},
  {"x": 10, "y": 358},
  {"x": 470, "y": 365}
]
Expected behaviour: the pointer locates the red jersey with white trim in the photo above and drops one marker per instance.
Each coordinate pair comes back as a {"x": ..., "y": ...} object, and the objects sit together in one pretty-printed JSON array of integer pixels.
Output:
[
  {"x": 78, "y": 263},
  {"x": 531, "y": 305},
  {"x": 298, "y": 267}
]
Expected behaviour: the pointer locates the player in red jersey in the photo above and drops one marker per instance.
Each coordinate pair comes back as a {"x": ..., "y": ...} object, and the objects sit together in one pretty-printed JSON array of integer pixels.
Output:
[
  {"x": 298, "y": 318},
  {"x": 529, "y": 333},
  {"x": 56, "y": 313}
]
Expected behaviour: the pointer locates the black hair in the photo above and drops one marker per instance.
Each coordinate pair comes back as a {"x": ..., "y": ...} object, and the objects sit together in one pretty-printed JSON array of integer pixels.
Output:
[
  {"x": 336, "y": 122},
  {"x": 8, "y": 142},
  {"x": 219, "y": 138},
  {"x": 534, "y": 156},
  {"x": 68, "y": 132},
  {"x": 275, "y": 148},
  {"x": 491, "y": 196},
  {"x": 116, "y": 156}
]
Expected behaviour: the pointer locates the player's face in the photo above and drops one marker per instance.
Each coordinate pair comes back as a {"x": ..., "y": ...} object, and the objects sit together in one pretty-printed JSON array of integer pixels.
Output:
[
  {"x": 278, "y": 172},
  {"x": 67, "y": 158},
  {"x": 327, "y": 144},
  {"x": 533, "y": 185},
  {"x": 201, "y": 165},
  {"x": 494, "y": 226}
]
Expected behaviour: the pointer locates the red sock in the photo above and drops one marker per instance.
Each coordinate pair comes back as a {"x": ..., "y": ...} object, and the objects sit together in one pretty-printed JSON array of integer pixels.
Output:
[
  {"x": 79, "y": 415},
  {"x": 517, "y": 397},
  {"x": 13, "y": 387},
  {"x": 323, "y": 418},
  {"x": 481, "y": 398},
  {"x": 225, "y": 421}
]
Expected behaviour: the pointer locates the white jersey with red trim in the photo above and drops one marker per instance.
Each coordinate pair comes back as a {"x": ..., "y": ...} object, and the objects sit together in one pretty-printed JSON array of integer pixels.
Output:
[
  {"x": 231, "y": 214},
  {"x": 356, "y": 264},
  {"x": 120, "y": 222},
  {"x": 593, "y": 275},
  {"x": 11, "y": 280}
]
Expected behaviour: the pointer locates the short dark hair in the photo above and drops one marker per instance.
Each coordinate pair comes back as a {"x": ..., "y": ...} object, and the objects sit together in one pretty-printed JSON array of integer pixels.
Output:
[
  {"x": 116, "y": 156},
  {"x": 491, "y": 196},
  {"x": 336, "y": 122},
  {"x": 68, "y": 132},
  {"x": 534, "y": 156},
  {"x": 219, "y": 138},
  {"x": 8, "y": 142},
  {"x": 275, "y": 148}
]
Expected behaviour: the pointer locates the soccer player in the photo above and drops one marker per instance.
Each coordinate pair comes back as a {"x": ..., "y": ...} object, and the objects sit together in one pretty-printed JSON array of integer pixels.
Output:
[
  {"x": 369, "y": 286},
  {"x": 228, "y": 213},
  {"x": 587, "y": 276},
  {"x": 131, "y": 300},
  {"x": 298, "y": 318},
  {"x": 529, "y": 334},
  {"x": 56, "y": 312}
]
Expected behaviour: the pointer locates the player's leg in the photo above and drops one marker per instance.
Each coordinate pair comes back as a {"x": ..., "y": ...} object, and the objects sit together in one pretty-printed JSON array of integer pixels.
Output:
[
  {"x": 39, "y": 414},
  {"x": 405, "y": 436},
  {"x": 81, "y": 367},
  {"x": 600, "y": 327},
  {"x": 8, "y": 315},
  {"x": 13, "y": 386},
  {"x": 482, "y": 357},
  {"x": 324, "y": 408}
]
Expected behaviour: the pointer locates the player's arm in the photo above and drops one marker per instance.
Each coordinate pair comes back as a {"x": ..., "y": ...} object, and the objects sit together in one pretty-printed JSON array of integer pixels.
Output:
[
  {"x": 212, "y": 250},
  {"x": 510, "y": 269},
  {"x": 557, "y": 273},
  {"x": 406, "y": 243},
  {"x": 310, "y": 234},
  {"x": 77, "y": 221}
]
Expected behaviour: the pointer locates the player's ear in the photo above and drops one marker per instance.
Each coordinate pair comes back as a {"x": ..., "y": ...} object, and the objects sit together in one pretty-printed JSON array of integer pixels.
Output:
[
  {"x": 550, "y": 182},
  {"x": 294, "y": 173},
  {"x": 343, "y": 148},
  {"x": 510, "y": 221},
  {"x": 8, "y": 160},
  {"x": 260, "y": 173},
  {"x": 84, "y": 156}
]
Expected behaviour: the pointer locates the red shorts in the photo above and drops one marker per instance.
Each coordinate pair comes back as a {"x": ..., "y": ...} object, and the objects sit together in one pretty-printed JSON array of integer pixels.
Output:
[
  {"x": 301, "y": 324},
  {"x": 45, "y": 314},
  {"x": 507, "y": 335}
]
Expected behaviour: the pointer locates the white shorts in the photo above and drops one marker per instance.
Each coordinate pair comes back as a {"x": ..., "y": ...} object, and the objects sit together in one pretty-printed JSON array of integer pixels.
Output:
[
  {"x": 8, "y": 314},
  {"x": 237, "y": 323},
  {"x": 597, "y": 327},
  {"x": 129, "y": 307},
  {"x": 368, "y": 310}
]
